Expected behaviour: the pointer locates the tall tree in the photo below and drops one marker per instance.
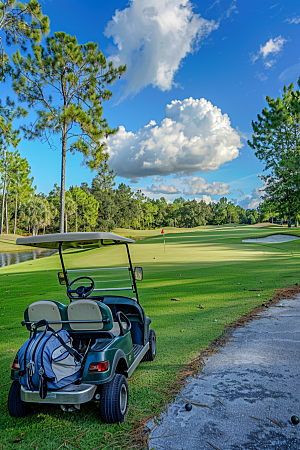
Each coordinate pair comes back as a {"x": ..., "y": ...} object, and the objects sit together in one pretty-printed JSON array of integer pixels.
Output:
[
  {"x": 21, "y": 184},
  {"x": 78, "y": 75},
  {"x": 276, "y": 141},
  {"x": 9, "y": 137},
  {"x": 70, "y": 208}
]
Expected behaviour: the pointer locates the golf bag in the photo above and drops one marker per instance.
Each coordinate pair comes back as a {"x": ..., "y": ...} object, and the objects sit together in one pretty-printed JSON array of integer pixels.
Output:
[{"x": 48, "y": 361}]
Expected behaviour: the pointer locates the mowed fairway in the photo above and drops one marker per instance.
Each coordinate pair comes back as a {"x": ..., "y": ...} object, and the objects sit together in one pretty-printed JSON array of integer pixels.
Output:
[{"x": 199, "y": 266}]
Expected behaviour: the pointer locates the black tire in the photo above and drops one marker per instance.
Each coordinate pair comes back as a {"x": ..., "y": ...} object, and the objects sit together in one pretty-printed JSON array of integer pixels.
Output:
[
  {"x": 16, "y": 407},
  {"x": 114, "y": 400},
  {"x": 151, "y": 353}
]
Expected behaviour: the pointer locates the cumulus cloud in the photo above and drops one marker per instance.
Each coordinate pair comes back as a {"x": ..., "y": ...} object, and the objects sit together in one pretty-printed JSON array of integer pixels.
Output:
[
  {"x": 157, "y": 179},
  {"x": 152, "y": 37},
  {"x": 162, "y": 189},
  {"x": 294, "y": 20},
  {"x": 271, "y": 49},
  {"x": 205, "y": 198},
  {"x": 198, "y": 186},
  {"x": 194, "y": 137},
  {"x": 252, "y": 200}
]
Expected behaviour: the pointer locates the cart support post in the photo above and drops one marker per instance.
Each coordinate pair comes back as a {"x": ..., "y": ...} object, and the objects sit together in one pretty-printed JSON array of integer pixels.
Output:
[
  {"x": 62, "y": 264},
  {"x": 132, "y": 273}
]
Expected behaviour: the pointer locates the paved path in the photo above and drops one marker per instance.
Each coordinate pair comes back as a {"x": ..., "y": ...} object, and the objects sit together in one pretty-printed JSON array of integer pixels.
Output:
[{"x": 256, "y": 374}]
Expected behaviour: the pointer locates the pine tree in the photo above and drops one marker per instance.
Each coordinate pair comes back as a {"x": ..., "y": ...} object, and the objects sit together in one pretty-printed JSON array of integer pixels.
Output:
[
  {"x": 9, "y": 137},
  {"x": 276, "y": 141},
  {"x": 78, "y": 74}
]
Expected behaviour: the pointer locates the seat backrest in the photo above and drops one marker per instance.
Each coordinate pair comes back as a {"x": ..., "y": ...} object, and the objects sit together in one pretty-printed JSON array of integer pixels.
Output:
[
  {"x": 89, "y": 310},
  {"x": 46, "y": 309}
]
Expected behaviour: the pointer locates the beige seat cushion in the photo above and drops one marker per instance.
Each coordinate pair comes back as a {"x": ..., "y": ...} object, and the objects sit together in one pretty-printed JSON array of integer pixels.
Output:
[
  {"x": 45, "y": 309},
  {"x": 85, "y": 310}
]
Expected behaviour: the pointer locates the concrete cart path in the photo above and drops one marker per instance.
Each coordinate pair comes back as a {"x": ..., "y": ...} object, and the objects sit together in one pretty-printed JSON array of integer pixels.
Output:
[{"x": 256, "y": 374}]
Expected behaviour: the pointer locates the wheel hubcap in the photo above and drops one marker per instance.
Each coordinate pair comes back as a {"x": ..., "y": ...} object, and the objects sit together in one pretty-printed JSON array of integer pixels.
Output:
[
  {"x": 154, "y": 346},
  {"x": 123, "y": 399}
]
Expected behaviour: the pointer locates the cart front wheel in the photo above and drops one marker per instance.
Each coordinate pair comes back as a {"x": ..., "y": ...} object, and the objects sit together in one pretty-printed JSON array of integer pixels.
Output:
[
  {"x": 114, "y": 400},
  {"x": 150, "y": 355},
  {"x": 16, "y": 407}
]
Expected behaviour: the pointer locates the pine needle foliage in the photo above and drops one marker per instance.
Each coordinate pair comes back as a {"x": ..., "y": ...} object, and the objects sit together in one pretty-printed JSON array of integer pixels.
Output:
[
  {"x": 276, "y": 141},
  {"x": 21, "y": 22}
]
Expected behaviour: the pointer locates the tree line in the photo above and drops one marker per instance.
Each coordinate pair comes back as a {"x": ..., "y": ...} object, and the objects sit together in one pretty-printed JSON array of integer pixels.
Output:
[{"x": 103, "y": 206}]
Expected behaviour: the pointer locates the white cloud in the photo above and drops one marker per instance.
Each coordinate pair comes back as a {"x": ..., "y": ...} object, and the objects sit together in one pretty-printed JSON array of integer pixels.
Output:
[
  {"x": 156, "y": 179},
  {"x": 198, "y": 186},
  {"x": 153, "y": 37},
  {"x": 272, "y": 48},
  {"x": 251, "y": 201},
  {"x": 295, "y": 20},
  {"x": 162, "y": 189},
  {"x": 194, "y": 137},
  {"x": 290, "y": 74},
  {"x": 205, "y": 198}
]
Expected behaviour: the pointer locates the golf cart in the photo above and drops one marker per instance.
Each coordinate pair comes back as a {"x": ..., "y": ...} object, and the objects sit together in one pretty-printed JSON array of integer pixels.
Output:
[{"x": 108, "y": 334}]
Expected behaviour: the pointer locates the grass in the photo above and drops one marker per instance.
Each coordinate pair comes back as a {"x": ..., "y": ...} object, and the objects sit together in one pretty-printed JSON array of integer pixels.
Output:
[
  {"x": 200, "y": 266},
  {"x": 8, "y": 243}
]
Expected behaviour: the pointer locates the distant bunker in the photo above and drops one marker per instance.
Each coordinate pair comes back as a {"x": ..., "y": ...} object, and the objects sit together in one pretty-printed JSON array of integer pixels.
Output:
[{"x": 273, "y": 239}]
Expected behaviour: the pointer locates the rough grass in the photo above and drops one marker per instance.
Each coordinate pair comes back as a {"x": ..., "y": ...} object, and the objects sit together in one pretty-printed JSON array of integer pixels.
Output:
[{"x": 202, "y": 266}]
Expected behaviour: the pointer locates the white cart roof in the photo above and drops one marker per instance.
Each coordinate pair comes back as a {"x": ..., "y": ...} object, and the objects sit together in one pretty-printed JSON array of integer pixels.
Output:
[{"x": 71, "y": 240}]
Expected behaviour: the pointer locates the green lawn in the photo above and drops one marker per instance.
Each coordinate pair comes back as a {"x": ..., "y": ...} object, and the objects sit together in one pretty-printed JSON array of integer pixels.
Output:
[
  {"x": 200, "y": 266},
  {"x": 8, "y": 243}
]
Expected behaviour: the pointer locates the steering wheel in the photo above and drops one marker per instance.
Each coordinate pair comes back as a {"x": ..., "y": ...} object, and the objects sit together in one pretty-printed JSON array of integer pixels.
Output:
[{"x": 81, "y": 291}]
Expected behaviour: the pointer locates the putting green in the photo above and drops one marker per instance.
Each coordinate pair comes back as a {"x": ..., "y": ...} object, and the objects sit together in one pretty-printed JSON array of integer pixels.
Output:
[{"x": 208, "y": 266}]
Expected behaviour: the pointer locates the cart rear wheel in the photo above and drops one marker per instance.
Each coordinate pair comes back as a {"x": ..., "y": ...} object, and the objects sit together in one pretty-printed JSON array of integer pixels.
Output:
[
  {"x": 150, "y": 355},
  {"x": 16, "y": 407},
  {"x": 114, "y": 400}
]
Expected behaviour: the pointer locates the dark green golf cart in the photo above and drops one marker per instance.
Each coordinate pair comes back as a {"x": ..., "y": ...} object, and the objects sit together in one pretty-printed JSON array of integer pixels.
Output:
[{"x": 110, "y": 330}]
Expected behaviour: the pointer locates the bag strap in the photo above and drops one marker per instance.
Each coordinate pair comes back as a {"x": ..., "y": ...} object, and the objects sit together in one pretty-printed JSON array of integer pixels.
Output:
[
  {"x": 39, "y": 324},
  {"x": 30, "y": 366},
  {"x": 69, "y": 349}
]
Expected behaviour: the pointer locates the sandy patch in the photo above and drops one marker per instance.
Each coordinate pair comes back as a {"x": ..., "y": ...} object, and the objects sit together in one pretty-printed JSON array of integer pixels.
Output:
[{"x": 273, "y": 239}]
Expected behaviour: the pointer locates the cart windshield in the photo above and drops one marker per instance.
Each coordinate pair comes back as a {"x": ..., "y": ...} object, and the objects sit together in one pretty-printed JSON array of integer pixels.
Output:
[{"x": 107, "y": 280}]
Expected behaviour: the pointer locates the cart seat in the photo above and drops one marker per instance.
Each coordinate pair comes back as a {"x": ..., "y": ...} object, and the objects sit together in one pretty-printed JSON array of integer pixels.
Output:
[
  {"x": 89, "y": 310},
  {"x": 50, "y": 310}
]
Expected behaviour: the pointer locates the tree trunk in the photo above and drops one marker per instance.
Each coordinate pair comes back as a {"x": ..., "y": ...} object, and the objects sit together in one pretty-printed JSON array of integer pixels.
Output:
[
  {"x": 3, "y": 203},
  {"x": 6, "y": 213},
  {"x": 63, "y": 182},
  {"x": 66, "y": 229},
  {"x": 76, "y": 218},
  {"x": 16, "y": 209}
]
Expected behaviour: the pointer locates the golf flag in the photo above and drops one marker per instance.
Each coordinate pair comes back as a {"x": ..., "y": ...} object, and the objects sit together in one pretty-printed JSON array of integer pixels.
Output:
[{"x": 162, "y": 231}]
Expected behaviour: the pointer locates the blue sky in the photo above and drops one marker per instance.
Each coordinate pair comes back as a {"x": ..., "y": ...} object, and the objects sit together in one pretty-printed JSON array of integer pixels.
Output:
[{"x": 198, "y": 73}]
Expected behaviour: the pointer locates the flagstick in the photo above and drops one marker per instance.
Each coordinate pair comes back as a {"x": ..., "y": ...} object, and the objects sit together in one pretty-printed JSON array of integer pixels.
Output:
[{"x": 164, "y": 246}]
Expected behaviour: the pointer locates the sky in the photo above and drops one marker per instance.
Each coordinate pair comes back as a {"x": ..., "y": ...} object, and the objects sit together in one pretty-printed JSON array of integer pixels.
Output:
[{"x": 197, "y": 75}]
